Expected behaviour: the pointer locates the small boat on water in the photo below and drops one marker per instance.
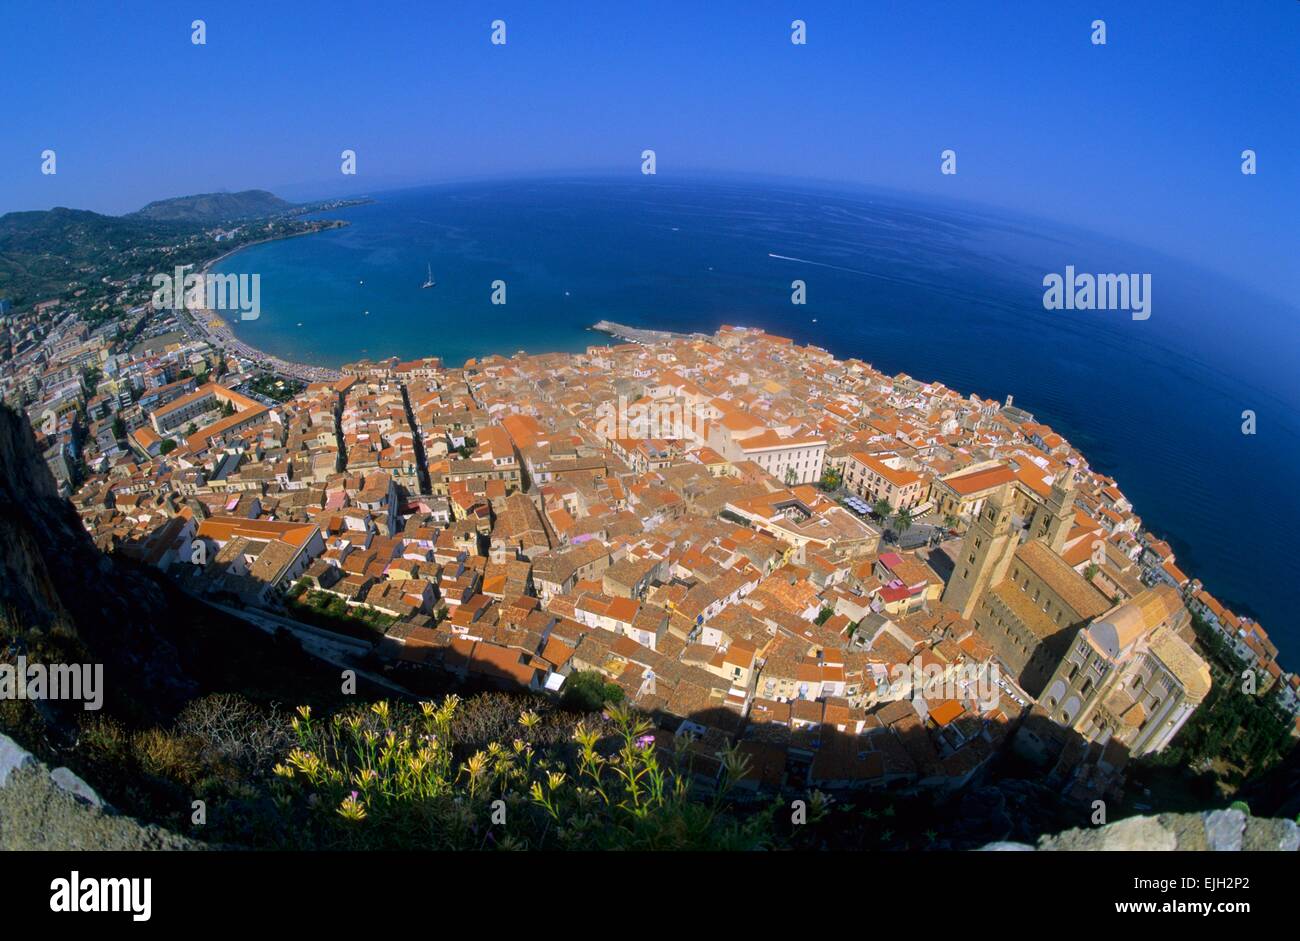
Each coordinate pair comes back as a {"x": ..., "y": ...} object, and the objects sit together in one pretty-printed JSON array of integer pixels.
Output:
[{"x": 428, "y": 282}]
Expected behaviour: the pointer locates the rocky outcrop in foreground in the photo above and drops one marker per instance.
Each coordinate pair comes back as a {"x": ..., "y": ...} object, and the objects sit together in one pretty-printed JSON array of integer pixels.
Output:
[
  {"x": 1221, "y": 830},
  {"x": 42, "y": 809}
]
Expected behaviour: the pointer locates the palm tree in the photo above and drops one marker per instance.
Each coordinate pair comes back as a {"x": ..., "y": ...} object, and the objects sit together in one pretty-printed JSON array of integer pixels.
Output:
[
  {"x": 882, "y": 509},
  {"x": 902, "y": 521}
]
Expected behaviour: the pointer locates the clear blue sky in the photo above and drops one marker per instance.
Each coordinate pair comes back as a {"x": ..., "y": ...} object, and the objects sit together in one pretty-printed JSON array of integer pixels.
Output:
[{"x": 1139, "y": 139}]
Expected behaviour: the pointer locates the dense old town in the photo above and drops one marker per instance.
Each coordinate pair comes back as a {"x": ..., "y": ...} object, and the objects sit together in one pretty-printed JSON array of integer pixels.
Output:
[{"x": 857, "y": 580}]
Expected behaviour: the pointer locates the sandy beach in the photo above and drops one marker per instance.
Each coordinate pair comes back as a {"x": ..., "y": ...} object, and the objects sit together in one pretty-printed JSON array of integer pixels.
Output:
[{"x": 219, "y": 333}]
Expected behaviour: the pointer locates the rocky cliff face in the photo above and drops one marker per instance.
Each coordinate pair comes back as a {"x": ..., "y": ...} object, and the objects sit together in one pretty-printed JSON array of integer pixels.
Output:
[
  {"x": 62, "y": 599},
  {"x": 1215, "y": 830},
  {"x": 43, "y": 809}
]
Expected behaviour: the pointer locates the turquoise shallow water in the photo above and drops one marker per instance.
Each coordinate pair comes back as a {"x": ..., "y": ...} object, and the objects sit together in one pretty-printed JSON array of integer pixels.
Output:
[{"x": 941, "y": 291}]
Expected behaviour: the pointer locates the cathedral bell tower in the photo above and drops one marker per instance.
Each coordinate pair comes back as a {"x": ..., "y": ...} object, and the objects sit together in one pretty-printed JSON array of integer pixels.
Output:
[
  {"x": 1052, "y": 521},
  {"x": 985, "y": 554}
]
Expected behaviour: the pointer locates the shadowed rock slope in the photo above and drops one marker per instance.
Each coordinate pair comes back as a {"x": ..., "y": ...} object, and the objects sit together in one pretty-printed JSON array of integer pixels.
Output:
[{"x": 62, "y": 600}]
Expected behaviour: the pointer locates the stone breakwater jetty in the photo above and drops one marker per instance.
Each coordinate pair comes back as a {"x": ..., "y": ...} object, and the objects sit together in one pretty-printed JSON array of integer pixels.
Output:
[{"x": 637, "y": 335}]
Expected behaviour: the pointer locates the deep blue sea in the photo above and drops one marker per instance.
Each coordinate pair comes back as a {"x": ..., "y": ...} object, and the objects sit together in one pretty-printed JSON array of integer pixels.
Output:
[{"x": 941, "y": 291}]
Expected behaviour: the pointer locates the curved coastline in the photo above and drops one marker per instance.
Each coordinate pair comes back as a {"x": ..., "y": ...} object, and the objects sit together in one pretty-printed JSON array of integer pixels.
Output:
[
  {"x": 335, "y": 224},
  {"x": 220, "y": 334}
]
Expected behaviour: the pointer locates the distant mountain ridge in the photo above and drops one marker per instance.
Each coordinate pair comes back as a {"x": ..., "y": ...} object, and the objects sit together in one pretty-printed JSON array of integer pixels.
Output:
[
  {"x": 60, "y": 251},
  {"x": 214, "y": 207},
  {"x": 48, "y": 253},
  {"x": 32, "y": 230}
]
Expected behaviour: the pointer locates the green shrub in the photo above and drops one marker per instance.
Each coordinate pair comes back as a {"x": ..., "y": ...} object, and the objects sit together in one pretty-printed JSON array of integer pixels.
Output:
[
  {"x": 370, "y": 779},
  {"x": 168, "y": 756},
  {"x": 587, "y": 691}
]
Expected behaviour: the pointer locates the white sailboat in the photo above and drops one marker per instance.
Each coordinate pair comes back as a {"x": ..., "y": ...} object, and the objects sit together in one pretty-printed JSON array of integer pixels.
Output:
[{"x": 429, "y": 281}]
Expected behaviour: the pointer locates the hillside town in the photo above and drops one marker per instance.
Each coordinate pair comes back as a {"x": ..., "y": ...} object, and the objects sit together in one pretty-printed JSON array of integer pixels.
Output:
[{"x": 857, "y": 580}]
